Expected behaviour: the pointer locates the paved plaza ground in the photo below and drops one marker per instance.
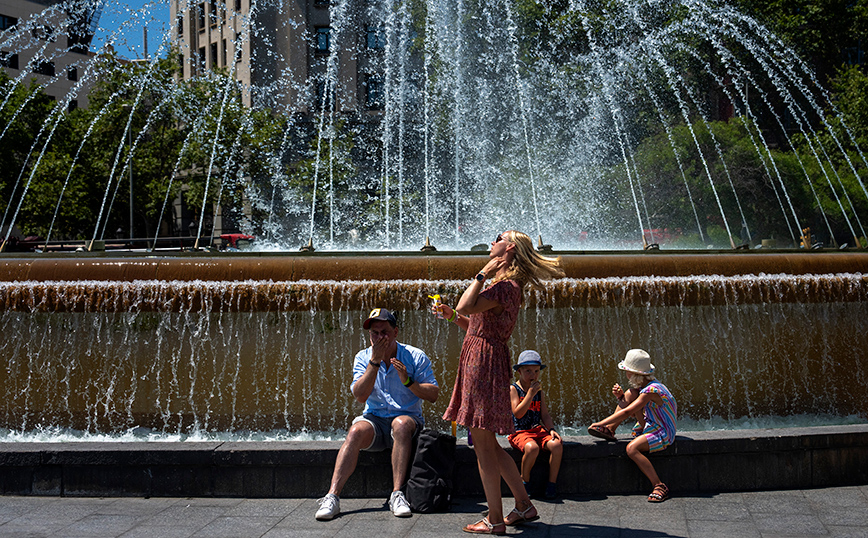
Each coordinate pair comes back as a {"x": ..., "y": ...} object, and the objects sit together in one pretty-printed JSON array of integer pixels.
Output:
[{"x": 837, "y": 512}]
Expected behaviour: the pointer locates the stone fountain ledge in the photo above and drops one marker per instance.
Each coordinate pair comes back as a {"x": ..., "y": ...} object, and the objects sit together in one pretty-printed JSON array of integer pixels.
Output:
[
  {"x": 410, "y": 265},
  {"x": 740, "y": 460}
]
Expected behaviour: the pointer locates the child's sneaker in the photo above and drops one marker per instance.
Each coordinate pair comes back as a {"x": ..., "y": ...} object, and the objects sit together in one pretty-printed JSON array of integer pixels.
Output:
[{"x": 329, "y": 507}]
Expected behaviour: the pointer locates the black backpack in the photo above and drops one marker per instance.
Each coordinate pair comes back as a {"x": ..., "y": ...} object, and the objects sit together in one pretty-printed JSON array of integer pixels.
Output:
[{"x": 429, "y": 487}]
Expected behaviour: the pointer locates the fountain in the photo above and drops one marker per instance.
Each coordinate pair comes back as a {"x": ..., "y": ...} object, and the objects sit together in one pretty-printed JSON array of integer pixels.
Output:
[
  {"x": 204, "y": 345},
  {"x": 451, "y": 121}
]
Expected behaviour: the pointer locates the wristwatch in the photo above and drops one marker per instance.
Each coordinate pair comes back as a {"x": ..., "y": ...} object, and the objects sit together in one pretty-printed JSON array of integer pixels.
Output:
[
  {"x": 480, "y": 277},
  {"x": 374, "y": 364}
]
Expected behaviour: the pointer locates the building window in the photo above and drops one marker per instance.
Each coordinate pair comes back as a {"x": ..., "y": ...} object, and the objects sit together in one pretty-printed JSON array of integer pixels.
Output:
[
  {"x": 322, "y": 2},
  {"x": 181, "y": 61},
  {"x": 8, "y": 60},
  {"x": 78, "y": 43},
  {"x": 7, "y": 22},
  {"x": 202, "y": 60},
  {"x": 375, "y": 92},
  {"x": 43, "y": 67},
  {"x": 43, "y": 32},
  {"x": 212, "y": 13},
  {"x": 225, "y": 53},
  {"x": 72, "y": 73},
  {"x": 73, "y": 104},
  {"x": 237, "y": 5},
  {"x": 200, "y": 14},
  {"x": 213, "y": 55},
  {"x": 376, "y": 38},
  {"x": 322, "y": 39},
  {"x": 180, "y": 24}
]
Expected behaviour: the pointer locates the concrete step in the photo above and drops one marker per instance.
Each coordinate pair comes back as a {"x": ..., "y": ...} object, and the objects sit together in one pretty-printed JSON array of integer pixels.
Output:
[{"x": 742, "y": 460}]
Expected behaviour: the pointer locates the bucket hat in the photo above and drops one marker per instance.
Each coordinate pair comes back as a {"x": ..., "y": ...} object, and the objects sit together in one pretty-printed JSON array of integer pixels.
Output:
[
  {"x": 529, "y": 357},
  {"x": 637, "y": 361}
]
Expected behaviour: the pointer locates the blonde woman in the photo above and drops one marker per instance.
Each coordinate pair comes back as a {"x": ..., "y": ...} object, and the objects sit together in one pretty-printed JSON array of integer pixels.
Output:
[{"x": 480, "y": 400}]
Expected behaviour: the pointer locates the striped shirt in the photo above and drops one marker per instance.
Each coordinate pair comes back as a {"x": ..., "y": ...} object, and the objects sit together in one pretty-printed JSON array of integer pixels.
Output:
[{"x": 660, "y": 416}]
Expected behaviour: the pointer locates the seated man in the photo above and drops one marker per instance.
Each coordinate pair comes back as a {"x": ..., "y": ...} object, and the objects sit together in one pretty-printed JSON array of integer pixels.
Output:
[{"x": 391, "y": 379}]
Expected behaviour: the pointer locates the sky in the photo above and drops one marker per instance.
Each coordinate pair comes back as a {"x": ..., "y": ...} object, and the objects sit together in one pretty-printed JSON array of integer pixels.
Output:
[{"x": 130, "y": 17}]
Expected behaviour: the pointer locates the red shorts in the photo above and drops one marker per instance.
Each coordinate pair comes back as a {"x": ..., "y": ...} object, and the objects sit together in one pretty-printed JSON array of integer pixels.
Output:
[{"x": 537, "y": 433}]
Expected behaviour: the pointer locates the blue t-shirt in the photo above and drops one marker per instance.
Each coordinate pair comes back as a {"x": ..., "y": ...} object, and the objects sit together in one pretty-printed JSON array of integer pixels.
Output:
[{"x": 390, "y": 398}]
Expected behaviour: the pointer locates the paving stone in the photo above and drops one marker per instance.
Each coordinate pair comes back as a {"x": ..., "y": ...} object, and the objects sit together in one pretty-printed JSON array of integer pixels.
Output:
[
  {"x": 237, "y": 527},
  {"x": 847, "y": 532},
  {"x": 185, "y": 516},
  {"x": 778, "y": 502},
  {"x": 264, "y": 507},
  {"x": 722, "y": 529},
  {"x": 804, "y": 524},
  {"x": 96, "y": 526}
]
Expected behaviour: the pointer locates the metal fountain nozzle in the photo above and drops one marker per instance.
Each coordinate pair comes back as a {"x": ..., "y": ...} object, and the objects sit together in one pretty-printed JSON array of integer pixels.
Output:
[{"x": 428, "y": 247}]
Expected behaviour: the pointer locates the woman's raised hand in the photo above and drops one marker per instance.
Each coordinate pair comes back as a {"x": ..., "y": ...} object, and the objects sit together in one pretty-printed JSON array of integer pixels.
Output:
[{"x": 494, "y": 265}]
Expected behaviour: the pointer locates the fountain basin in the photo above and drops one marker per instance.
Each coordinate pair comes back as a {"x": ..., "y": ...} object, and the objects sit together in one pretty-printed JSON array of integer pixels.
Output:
[{"x": 187, "y": 344}]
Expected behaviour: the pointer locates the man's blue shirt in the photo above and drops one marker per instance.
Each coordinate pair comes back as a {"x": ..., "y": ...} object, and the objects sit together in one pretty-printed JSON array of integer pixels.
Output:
[{"x": 390, "y": 398}]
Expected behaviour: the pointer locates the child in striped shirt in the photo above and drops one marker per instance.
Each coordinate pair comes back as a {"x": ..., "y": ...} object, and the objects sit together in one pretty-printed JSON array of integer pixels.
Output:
[{"x": 654, "y": 408}]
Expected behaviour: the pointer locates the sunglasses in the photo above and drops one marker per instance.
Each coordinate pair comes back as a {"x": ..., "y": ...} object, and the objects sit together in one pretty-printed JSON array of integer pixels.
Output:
[{"x": 500, "y": 238}]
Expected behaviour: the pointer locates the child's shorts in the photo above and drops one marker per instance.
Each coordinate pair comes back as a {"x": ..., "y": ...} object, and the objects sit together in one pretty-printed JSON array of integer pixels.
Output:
[
  {"x": 521, "y": 437},
  {"x": 657, "y": 437}
]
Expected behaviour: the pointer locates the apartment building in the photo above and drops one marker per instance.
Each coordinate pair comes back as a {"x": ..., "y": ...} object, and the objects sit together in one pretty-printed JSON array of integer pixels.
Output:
[
  {"x": 45, "y": 41},
  {"x": 280, "y": 54}
]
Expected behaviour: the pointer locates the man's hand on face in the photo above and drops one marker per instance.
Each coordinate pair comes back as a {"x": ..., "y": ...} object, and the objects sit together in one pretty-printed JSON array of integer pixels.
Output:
[{"x": 383, "y": 337}]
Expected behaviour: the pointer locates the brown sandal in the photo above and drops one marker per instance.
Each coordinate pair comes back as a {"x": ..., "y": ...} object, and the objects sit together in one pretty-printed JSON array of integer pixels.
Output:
[
  {"x": 484, "y": 527},
  {"x": 660, "y": 493},
  {"x": 602, "y": 432}
]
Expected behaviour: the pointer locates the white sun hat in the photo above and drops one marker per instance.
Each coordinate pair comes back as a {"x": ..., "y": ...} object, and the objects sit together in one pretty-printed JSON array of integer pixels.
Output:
[{"x": 637, "y": 361}]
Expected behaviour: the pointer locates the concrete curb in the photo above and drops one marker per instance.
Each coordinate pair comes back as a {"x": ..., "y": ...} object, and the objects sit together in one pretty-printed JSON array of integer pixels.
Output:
[{"x": 743, "y": 460}]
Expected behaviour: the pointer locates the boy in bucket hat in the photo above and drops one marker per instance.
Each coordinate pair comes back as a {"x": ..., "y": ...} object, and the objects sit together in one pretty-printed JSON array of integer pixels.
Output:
[
  {"x": 534, "y": 429},
  {"x": 653, "y": 406}
]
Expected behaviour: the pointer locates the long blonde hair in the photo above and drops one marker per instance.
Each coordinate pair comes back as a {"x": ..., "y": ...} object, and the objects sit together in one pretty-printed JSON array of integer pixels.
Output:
[{"x": 529, "y": 267}]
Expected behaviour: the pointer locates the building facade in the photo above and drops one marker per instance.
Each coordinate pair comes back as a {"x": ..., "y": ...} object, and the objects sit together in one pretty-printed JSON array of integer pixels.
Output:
[
  {"x": 48, "y": 41},
  {"x": 281, "y": 53}
]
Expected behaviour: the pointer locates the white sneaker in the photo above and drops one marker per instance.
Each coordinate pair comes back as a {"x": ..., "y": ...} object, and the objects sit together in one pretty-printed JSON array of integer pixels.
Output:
[
  {"x": 398, "y": 505},
  {"x": 329, "y": 507}
]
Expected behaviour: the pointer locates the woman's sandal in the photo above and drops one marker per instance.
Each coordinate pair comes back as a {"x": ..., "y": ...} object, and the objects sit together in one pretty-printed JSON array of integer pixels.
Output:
[
  {"x": 602, "y": 432},
  {"x": 517, "y": 518},
  {"x": 484, "y": 527},
  {"x": 660, "y": 493}
]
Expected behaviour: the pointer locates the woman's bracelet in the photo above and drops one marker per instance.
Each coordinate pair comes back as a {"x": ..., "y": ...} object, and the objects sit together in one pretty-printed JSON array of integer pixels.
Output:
[{"x": 453, "y": 317}]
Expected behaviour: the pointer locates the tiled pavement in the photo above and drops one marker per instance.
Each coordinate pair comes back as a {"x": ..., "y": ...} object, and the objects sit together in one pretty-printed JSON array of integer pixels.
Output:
[{"x": 838, "y": 512}]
